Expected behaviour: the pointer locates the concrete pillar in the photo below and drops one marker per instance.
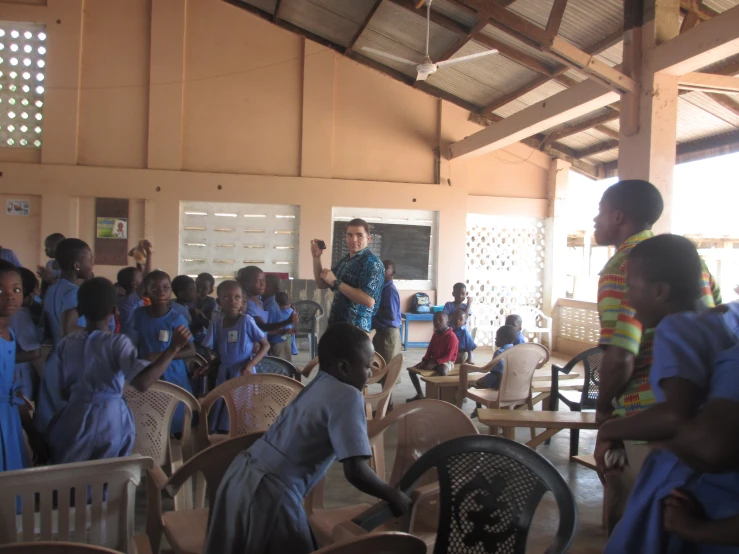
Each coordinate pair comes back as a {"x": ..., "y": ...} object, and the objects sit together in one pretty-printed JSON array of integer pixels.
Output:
[
  {"x": 649, "y": 121},
  {"x": 166, "y": 83},
  {"x": 555, "y": 286},
  {"x": 317, "y": 145}
]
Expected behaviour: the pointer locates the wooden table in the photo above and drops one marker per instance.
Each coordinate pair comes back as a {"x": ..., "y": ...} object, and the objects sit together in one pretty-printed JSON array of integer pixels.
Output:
[{"x": 552, "y": 422}]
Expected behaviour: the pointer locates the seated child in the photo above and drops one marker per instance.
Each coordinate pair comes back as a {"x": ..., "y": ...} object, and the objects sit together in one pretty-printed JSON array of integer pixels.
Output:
[
  {"x": 458, "y": 321},
  {"x": 27, "y": 338},
  {"x": 14, "y": 415},
  {"x": 515, "y": 321},
  {"x": 155, "y": 326},
  {"x": 504, "y": 340},
  {"x": 129, "y": 279},
  {"x": 440, "y": 354},
  {"x": 233, "y": 336},
  {"x": 96, "y": 423},
  {"x": 459, "y": 292},
  {"x": 259, "y": 504},
  {"x": 281, "y": 340},
  {"x": 185, "y": 291}
]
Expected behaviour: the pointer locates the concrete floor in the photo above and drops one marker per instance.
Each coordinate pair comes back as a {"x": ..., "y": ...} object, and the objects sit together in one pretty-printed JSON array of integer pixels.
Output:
[{"x": 584, "y": 483}]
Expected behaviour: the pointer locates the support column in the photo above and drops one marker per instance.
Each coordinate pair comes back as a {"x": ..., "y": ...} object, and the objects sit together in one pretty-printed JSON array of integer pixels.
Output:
[
  {"x": 317, "y": 145},
  {"x": 648, "y": 139},
  {"x": 166, "y": 83},
  {"x": 556, "y": 273}
]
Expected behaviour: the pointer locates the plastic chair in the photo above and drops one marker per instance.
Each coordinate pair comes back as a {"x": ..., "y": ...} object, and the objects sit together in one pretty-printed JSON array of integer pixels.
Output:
[
  {"x": 309, "y": 313},
  {"x": 591, "y": 360},
  {"x": 276, "y": 366},
  {"x": 253, "y": 403},
  {"x": 152, "y": 413},
  {"x": 378, "y": 369},
  {"x": 376, "y": 404},
  {"x": 532, "y": 317},
  {"x": 186, "y": 529},
  {"x": 421, "y": 426},
  {"x": 489, "y": 489},
  {"x": 381, "y": 543},
  {"x": 35, "y": 504},
  {"x": 50, "y": 547}
]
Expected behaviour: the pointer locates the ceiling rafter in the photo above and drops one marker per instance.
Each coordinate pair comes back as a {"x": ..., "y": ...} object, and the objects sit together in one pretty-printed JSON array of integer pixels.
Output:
[
  {"x": 555, "y": 17},
  {"x": 599, "y": 148},
  {"x": 698, "y": 8},
  {"x": 363, "y": 26},
  {"x": 579, "y": 128}
]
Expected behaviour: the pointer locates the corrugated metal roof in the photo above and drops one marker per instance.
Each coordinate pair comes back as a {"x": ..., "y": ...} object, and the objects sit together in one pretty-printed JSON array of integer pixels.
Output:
[
  {"x": 613, "y": 55},
  {"x": 603, "y": 157},
  {"x": 481, "y": 80},
  {"x": 584, "y": 23},
  {"x": 265, "y": 5},
  {"x": 720, "y": 5},
  {"x": 694, "y": 123},
  {"x": 540, "y": 93},
  {"x": 455, "y": 12},
  {"x": 704, "y": 102},
  {"x": 583, "y": 140},
  {"x": 495, "y": 33},
  {"x": 335, "y": 20}
]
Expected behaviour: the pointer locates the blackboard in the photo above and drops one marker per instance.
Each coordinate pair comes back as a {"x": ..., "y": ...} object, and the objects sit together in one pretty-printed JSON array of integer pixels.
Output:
[{"x": 409, "y": 246}]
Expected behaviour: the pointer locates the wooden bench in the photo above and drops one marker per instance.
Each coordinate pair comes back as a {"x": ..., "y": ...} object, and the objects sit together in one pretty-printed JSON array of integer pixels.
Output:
[{"x": 551, "y": 422}]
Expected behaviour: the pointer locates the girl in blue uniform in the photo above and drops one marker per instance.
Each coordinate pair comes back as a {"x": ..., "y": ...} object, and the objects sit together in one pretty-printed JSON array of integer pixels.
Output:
[
  {"x": 27, "y": 339},
  {"x": 664, "y": 287},
  {"x": 233, "y": 336},
  {"x": 253, "y": 281},
  {"x": 259, "y": 504},
  {"x": 155, "y": 326},
  {"x": 14, "y": 416},
  {"x": 96, "y": 422}
]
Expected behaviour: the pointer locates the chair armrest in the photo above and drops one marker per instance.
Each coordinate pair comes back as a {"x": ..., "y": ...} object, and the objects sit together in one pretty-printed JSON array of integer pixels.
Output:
[
  {"x": 374, "y": 517},
  {"x": 347, "y": 530},
  {"x": 425, "y": 492},
  {"x": 141, "y": 544},
  {"x": 158, "y": 478}
]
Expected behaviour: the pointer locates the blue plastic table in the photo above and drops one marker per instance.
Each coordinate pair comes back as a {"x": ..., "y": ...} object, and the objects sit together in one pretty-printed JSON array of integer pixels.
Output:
[{"x": 405, "y": 321}]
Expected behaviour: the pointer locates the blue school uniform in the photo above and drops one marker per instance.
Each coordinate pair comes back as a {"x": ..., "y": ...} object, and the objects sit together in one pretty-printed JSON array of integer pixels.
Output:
[
  {"x": 60, "y": 297},
  {"x": 96, "y": 422},
  {"x": 466, "y": 342},
  {"x": 256, "y": 310},
  {"x": 183, "y": 310},
  {"x": 235, "y": 347},
  {"x": 451, "y": 307},
  {"x": 520, "y": 339},
  {"x": 685, "y": 345},
  {"x": 259, "y": 505},
  {"x": 155, "y": 335},
  {"x": 127, "y": 305},
  {"x": 494, "y": 377},
  {"x": 28, "y": 339},
  {"x": 56, "y": 274},
  {"x": 9, "y": 256},
  {"x": 12, "y": 445}
]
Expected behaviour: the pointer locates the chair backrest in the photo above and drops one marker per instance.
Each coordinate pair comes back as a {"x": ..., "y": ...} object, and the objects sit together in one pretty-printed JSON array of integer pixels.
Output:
[
  {"x": 381, "y": 400},
  {"x": 51, "y": 547},
  {"x": 421, "y": 426},
  {"x": 489, "y": 490},
  {"x": 309, "y": 313},
  {"x": 520, "y": 362},
  {"x": 276, "y": 366},
  {"x": 152, "y": 413},
  {"x": 88, "y": 502},
  {"x": 378, "y": 368},
  {"x": 591, "y": 360},
  {"x": 378, "y": 543},
  {"x": 529, "y": 317},
  {"x": 253, "y": 402}
]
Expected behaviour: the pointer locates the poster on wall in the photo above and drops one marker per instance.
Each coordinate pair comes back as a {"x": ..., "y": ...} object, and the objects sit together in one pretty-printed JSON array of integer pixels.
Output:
[
  {"x": 17, "y": 207},
  {"x": 112, "y": 228}
]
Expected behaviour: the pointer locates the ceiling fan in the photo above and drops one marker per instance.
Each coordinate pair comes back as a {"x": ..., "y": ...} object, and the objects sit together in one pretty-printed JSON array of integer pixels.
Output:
[{"x": 426, "y": 67}]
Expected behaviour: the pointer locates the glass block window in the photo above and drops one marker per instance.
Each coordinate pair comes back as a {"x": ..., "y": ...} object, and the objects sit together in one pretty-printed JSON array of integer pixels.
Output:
[{"x": 22, "y": 72}]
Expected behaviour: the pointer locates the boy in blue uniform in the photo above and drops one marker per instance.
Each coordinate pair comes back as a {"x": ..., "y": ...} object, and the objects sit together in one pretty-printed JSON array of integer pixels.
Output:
[
  {"x": 205, "y": 304},
  {"x": 467, "y": 345},
  {"x": 96, "y": 423},
  {"x": 459, "y": 292},
  {"x": 27, "y": 337},
  {"x": 259, "y": 504},
  {"x": 51, "y": 272},
  {"x": 281, "y": 340},
  {"x": 386, "y": 322},
  {"x": 185, "y": 292},
  {"x": 515, "y": 321},
  {"x": 129, "y": 279},
  {"x": 504, "y": 339},
  {"x": 664, "y": 287}
]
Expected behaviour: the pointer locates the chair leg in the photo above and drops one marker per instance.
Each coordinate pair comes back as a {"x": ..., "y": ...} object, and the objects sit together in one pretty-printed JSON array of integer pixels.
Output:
[
  {"x": 574, "y": 441},
  {"x": 530, "y": 405}
]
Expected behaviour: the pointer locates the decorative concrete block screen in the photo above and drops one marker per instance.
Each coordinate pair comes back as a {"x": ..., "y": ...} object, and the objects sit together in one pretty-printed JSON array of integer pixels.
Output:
[
  {"x": 22, "y": 70},
  {"x": 505, "y": 269},
  {"x": 220, "y": 238}
]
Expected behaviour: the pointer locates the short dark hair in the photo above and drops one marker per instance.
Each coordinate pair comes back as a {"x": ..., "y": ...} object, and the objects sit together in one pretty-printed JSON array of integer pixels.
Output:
[
  {"x": 282, "y": 298},
  {"x": 96, "y": 299},
  {"x": 459, "y": 311},
  {"x": 156, "y": 274},
  {"x": 223, "y": 285},
  {"x": 671, "y": 259},
  {"x": 7, "y": 267},
  {"x": 208, "y": 278},
  {"x": 246, "y": 274},
  {"x": 341, "y": 341},
  {"x": 30, "y": 282},
  {"x": 506, "y": 334},
  {"x": 179, "y": 284},
  {"x": 639, "y": 200},
  {"x": 69, "y": 252},
  {"x": 389, "y": 263},
  {"x": 357, "y": 222},
  {"x": 459, "y": 286},
  {"x": 125, "y": 277},
  {"x": 513, "y": 320},
  {"x": 55, "y": 237}
]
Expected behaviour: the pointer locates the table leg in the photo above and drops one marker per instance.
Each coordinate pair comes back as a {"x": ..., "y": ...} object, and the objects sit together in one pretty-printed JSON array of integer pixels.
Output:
[
  {"x": 405, "y": 334},
  {"x": 432, "y": 391}
]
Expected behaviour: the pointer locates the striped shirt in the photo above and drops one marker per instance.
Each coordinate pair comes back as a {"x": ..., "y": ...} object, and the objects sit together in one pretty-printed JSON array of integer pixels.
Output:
[{"x": 619, "y": 326}]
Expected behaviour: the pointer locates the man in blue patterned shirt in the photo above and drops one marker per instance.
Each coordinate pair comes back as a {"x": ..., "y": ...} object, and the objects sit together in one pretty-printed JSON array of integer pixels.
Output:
[{"x": 356, "y": 280}]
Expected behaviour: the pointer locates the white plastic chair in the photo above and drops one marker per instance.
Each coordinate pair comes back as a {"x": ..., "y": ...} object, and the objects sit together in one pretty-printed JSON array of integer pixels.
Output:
[
  {"x": 35, "y": 503},
  {"x": 535, "y": 322}
]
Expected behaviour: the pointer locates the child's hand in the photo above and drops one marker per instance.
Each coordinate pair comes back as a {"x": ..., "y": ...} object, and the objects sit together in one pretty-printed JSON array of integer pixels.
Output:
[
  {"x": 40, "y": 449},
  {"x": 248, "y": 369},
  {"x": 400, "y": 503},
  {"x": 682, "y": 515},
  {"x": 181, "y": 337},
  {"x": 469, "y": 300},
  {"x": 44, "y": 274},
  {"x": 146, "y": 245},
  {"x": 295, "y": 318},
  {"x": 603, "y": 447}
]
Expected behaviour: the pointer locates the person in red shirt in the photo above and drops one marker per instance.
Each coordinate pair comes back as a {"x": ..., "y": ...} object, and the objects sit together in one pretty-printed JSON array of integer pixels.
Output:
[{"x": 440, "y": 355}]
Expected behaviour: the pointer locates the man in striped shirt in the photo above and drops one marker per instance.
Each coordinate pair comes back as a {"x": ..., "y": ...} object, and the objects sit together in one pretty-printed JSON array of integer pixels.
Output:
[{"x": 627, "y": 212}]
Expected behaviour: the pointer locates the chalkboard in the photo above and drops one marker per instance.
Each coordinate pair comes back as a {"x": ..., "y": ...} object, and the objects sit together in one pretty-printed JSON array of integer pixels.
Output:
[{"x": 409, "y": 246}]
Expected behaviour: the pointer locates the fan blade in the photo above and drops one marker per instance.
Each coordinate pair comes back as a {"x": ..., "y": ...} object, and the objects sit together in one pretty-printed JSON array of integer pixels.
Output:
[
  {"x": 390, "y": 56},
  {"x": 422, "y": 76},
  {"x": 466, "y": 58}
]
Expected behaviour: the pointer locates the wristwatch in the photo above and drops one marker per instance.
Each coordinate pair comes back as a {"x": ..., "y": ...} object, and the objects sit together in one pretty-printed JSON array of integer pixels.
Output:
[{"x": 336, "y": 285}]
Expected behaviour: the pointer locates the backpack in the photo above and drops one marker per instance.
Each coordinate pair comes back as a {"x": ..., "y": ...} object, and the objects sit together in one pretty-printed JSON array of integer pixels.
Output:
[{"x": 421, "y": 303}]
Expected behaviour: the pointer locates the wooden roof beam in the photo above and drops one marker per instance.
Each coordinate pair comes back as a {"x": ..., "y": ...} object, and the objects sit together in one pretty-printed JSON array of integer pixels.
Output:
[
  {"x": 709, "y": 82},
  {"x": 363, "y": 26},
  {"x": 555, "y": 17},
  {"x": 697, "y": 8},
  {"x": 599, "y": 148},
  {"x": 579, "y": 128}
]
